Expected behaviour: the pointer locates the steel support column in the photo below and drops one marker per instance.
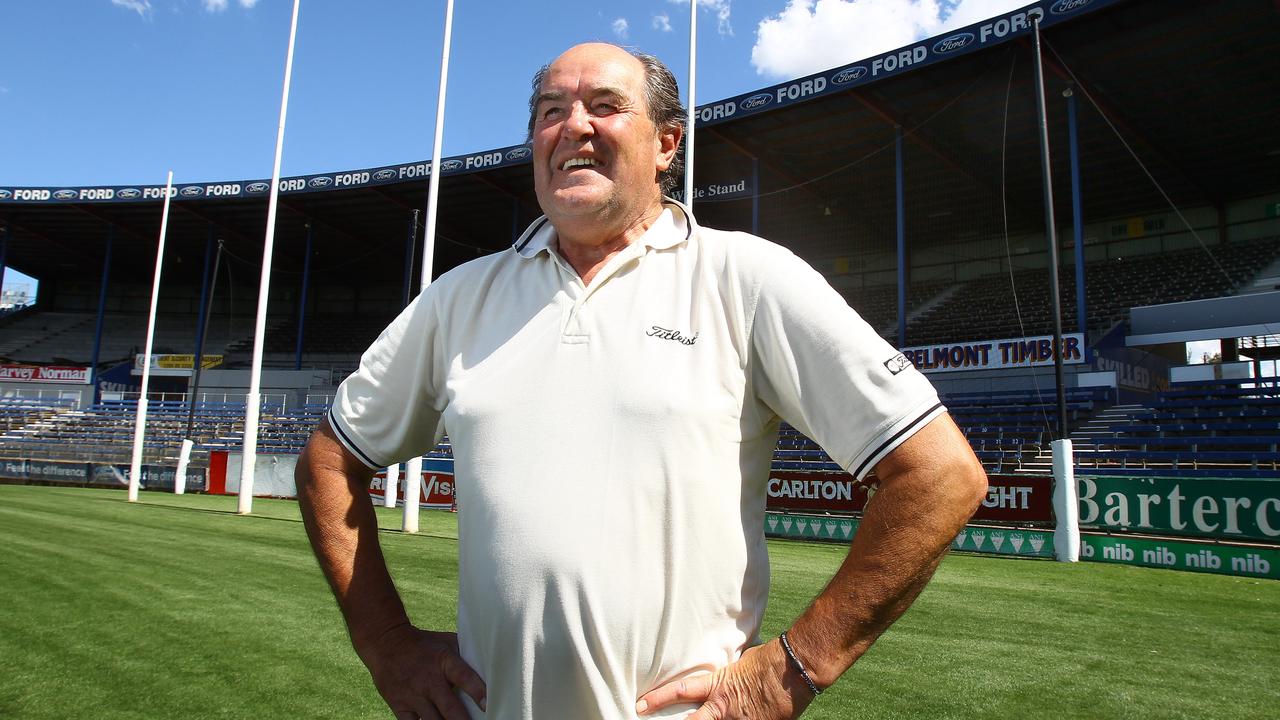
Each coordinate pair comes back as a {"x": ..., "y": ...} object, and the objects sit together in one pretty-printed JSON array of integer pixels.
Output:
[
  {"x": 902, "y": 236},
  {"x": 1077, "y": 214},
  {"x": 102, "y": 312},
  {"x": 302, "y": 301}
]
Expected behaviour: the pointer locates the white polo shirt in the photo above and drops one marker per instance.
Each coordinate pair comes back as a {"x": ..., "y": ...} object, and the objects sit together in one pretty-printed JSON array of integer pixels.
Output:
[{"x": 612, "y": 444}]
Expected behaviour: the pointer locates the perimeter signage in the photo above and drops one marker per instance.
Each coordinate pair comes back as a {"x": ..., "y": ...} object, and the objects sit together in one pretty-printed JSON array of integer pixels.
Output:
[
  {"x": 995, "y": 354},
  {"x": 368, "y": 177},
  {"x": 1017, "y": 498},
  {"x": 1225, "y": 509},
  {"x": 45, "y": 374},
  {"x": 1249, "y": 561},
  {"x": 436, "y": 492},
  {"x": 994, "y": 541}
]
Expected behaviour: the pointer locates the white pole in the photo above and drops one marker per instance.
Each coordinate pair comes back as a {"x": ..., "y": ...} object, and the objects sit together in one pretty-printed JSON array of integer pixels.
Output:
[
  {"x": 693, "y": 83},
  {"x": 413, "y": 468},
  {"x": 1066, "y": 503},
  {"x": 433, "y": 188},
  {"x": 140, "y": 425},
  {"x": 412, "y": 494},
  {"x": 389, "y": 487},
  {"x": 184, "y": 459},
  {"x": 252, "y": 400}
]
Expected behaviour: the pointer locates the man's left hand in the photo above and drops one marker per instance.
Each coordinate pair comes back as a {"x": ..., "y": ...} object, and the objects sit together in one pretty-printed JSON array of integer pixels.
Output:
[{"x": 760, "y": 686}]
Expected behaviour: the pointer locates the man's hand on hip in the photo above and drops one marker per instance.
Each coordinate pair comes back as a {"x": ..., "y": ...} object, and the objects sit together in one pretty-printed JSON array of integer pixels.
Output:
[
  {"x": 418, "y": 673},
  {"x": 759, "y": 686}
]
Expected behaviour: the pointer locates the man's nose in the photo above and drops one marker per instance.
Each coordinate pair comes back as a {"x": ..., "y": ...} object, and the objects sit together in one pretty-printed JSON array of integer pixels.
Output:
[{"x": 578, "y": 124}]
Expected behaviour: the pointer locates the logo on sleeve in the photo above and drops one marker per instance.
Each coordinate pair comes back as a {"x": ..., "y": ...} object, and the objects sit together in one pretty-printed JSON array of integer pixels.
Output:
[{"x": 897, "y": 363}]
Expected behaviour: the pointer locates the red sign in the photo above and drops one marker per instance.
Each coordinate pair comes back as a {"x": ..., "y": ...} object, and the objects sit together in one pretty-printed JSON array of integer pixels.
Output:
[
  {"x": 436, "y": 491},
  {"x": 831, "y": 492},
  {"x": 45, "y": 374},
  {"x": 1022, "y": 498}
]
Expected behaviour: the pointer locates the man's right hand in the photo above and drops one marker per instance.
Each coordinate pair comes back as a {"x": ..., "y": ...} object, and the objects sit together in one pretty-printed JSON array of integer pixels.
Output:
[{"x": 419, "y": 673}]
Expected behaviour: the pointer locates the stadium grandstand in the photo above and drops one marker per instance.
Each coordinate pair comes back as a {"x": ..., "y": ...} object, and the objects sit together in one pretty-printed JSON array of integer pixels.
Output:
[{"x": 912, "y": 180}]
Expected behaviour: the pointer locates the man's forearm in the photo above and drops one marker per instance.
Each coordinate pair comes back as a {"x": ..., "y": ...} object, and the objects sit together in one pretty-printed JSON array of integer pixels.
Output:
[
  {"x": 930, "y": 487},
  {"x": 343, "y": 530}
]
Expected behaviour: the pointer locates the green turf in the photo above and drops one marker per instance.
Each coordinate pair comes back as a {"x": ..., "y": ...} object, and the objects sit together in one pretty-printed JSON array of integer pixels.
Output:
[{"x": 177, "y": 607}]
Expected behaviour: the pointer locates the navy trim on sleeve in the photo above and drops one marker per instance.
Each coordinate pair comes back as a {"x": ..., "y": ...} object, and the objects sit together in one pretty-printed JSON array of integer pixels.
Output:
[
  {"x": 909, "y": 428},
  {"x": 346, "y": 440}
]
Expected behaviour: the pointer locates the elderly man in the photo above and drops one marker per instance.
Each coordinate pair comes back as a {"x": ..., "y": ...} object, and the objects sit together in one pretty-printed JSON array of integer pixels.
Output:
[{"x": 613, "y": 386}]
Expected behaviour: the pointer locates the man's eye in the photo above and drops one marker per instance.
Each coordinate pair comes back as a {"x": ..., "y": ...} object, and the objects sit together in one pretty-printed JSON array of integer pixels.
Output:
[
  {"x": 550, "y": 112},
  {"x": 605, "y": 108}
]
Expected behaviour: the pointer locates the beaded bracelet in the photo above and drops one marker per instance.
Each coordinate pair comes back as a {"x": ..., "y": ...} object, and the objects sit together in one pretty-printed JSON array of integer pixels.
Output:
[{"x": 799, "y": 666}]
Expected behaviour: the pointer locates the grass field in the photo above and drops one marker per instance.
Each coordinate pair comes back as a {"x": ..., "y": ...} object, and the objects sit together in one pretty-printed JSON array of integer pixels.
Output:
[{"x": 176, "y": 607}]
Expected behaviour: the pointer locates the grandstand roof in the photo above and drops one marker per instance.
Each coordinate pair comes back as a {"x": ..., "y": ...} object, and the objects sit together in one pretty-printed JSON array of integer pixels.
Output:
[{"x": 1191, "y": 87}]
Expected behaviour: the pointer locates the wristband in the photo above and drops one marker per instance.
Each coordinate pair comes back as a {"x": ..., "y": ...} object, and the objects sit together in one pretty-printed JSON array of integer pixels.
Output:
[{"x": 799, "y": 666}]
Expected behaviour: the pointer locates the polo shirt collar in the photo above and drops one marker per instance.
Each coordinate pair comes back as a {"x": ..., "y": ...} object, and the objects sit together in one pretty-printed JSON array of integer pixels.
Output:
[{"x": 673, "y": 227}]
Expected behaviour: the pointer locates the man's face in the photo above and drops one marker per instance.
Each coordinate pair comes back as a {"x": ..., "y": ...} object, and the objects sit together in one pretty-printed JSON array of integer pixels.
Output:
[{"x": 595, "y": 150}]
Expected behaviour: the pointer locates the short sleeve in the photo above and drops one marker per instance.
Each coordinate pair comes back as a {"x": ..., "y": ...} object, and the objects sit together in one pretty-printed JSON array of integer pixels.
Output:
[
  {"x": 389, "y": 409},
  {"x": 820, "y": 367}
]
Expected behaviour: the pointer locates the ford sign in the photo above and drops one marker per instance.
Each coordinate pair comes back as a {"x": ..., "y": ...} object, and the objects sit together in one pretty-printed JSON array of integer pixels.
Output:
[
  {"x": 66, "y": 195},
  {"x": 519, "y": 153},
  {"x": 5, "y": 194},
  {"x": 756, "y": 101},
  {"x": 953, "y": 43},
  {"x": 129, "y": 194},
  {"x": 320, "y": 182},
  {"x": 385, "y": 174},
  {"x": 448, "y": 165},
  {"x": 257, "y": 187},
  {"x": 1063, "y": 7},
  {"x": 191, "y": 191},
  {"x": 848, "y": 75}
]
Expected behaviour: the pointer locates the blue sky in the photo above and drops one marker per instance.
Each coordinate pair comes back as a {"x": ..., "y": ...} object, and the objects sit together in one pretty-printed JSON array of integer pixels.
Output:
[
  {"x": 110, "y": 92},
  {"x": 119, "y": 91}
]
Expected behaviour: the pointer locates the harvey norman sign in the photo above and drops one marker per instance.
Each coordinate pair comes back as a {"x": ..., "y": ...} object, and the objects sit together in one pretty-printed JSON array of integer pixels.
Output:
[{"x": 44, "y": 374}]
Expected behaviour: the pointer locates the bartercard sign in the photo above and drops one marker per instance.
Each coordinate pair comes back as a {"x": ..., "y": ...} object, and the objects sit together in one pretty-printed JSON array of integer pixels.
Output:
[
  {"x": 995, "y": 354},
  {"x": 62, "y": 375},
  {"x": 1225, "y": 509}
]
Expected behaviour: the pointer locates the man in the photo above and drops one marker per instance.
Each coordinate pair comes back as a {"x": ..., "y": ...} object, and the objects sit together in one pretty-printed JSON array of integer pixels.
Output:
[{"x": 613, "y": 386}]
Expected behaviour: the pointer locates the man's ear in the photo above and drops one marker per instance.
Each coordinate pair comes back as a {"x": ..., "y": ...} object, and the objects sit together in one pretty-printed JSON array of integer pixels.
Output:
[{"x": 668, "y": 143}]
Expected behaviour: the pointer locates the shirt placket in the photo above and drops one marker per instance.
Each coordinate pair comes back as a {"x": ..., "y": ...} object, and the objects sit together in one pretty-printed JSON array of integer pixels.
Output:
[{"x": 576, "y": 325}]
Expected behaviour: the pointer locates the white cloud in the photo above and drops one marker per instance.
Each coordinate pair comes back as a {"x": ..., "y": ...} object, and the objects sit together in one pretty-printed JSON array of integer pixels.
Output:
[
  {"x": 248, "y": 3},
  {"x": 620, "y": 28},
  {"x": 813, "y": 35},
  {"x": 142, "y": 7},
  {"x": 215, "y": 5},
  {"x": 722, "y": 10},
  {"x": 662, "y": 22}
]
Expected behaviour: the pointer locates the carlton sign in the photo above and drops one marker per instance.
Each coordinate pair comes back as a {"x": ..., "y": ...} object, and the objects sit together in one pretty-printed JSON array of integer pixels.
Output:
[{"x": 1021, "y": 498}]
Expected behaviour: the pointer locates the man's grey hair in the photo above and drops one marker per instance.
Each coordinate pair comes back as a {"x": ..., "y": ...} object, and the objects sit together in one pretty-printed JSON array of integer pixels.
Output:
[{"x": 662, "y": 98}]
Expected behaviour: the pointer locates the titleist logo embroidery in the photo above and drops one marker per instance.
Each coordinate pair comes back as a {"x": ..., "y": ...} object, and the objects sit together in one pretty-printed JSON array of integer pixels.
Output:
[{"x": 665, "y": 334}]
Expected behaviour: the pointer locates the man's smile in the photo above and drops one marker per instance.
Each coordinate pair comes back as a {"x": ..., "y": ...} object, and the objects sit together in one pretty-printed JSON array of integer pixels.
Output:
[{"x": 579, "y": 162}]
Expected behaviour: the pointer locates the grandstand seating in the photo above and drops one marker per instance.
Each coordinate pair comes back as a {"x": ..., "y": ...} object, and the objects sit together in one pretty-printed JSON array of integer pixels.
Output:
[
  {"x": 67, "y": 337},
  {"x": 1222, "y": 425},
  {"x": 987, "y": 308},
  {"x": 1231, "y": 425}
]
